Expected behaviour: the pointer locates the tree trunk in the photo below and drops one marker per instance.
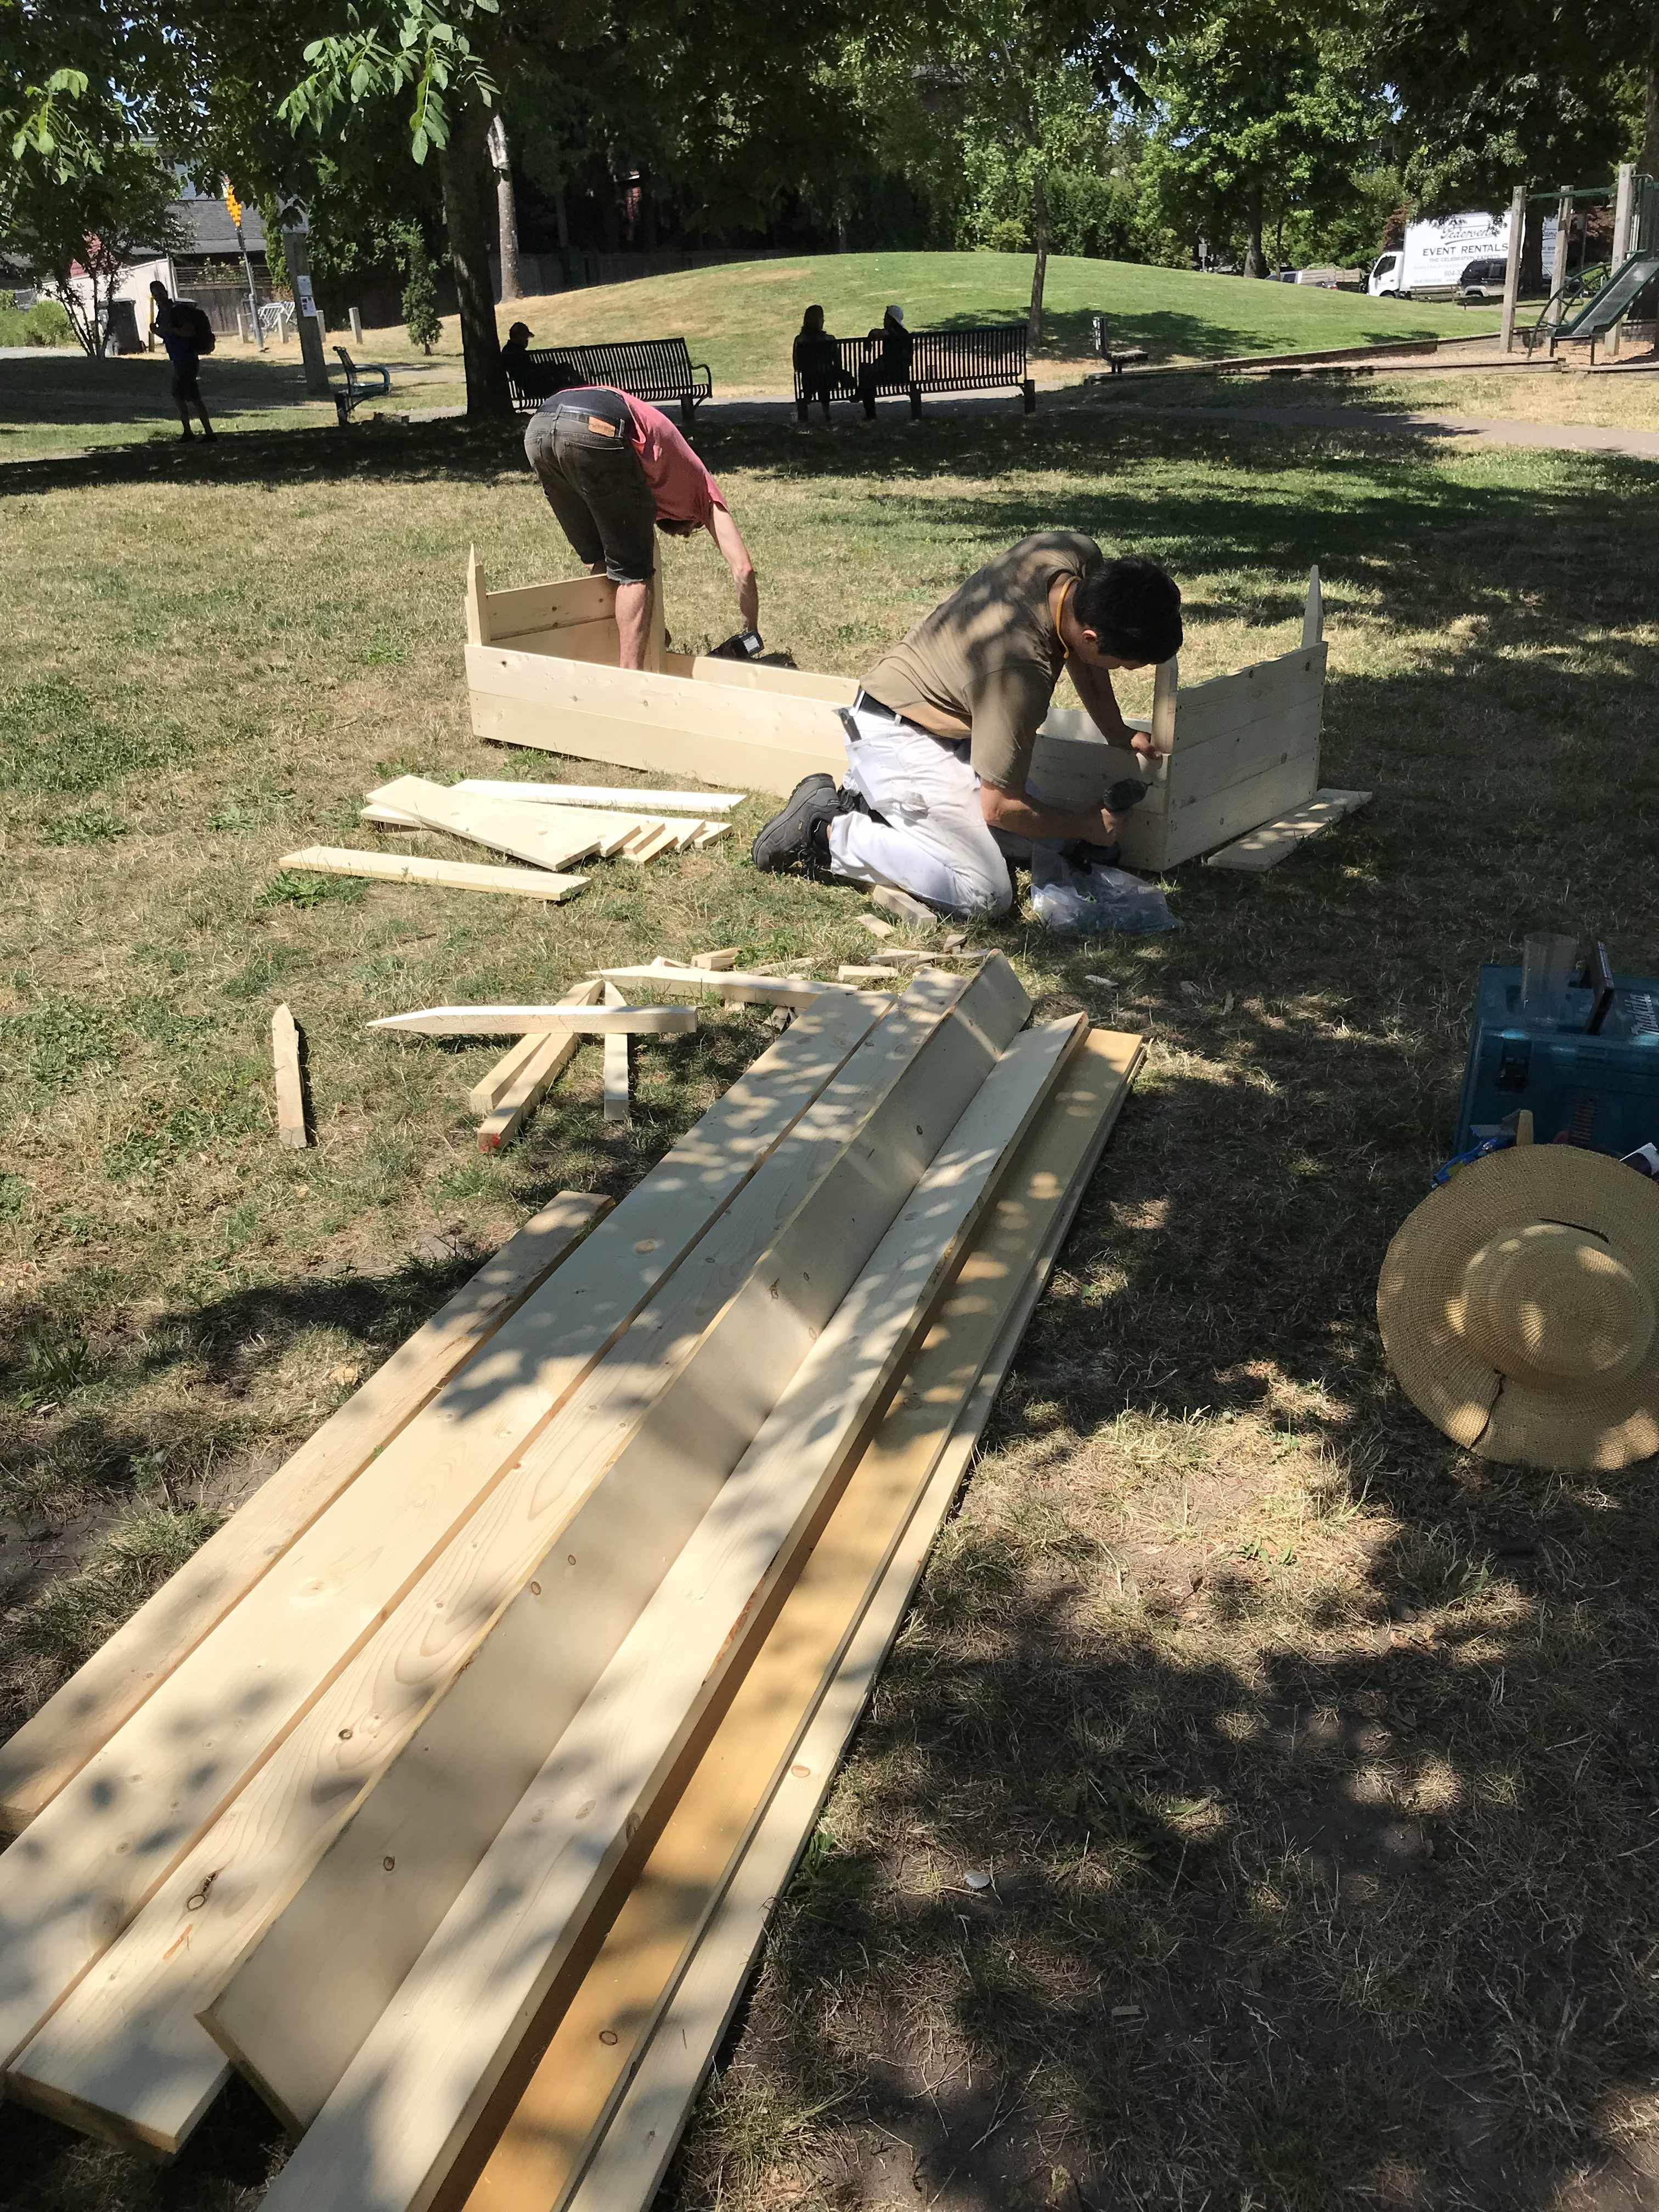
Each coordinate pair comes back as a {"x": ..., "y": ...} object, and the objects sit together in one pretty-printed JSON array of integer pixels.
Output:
[
  {"x": 461, "y": 173},
  {"x": 1256, "y": 256},
  {"x": 506, "y": 210},
  {"x": 1040, "y": 265}
]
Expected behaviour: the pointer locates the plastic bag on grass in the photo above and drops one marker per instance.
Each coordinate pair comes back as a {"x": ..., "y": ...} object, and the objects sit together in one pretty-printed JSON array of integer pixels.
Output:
[{"x": 1088, "y": 901}]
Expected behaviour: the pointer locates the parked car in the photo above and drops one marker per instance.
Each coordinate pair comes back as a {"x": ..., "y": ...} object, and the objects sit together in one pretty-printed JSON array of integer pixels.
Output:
[{"x": 1482, "y": 280}]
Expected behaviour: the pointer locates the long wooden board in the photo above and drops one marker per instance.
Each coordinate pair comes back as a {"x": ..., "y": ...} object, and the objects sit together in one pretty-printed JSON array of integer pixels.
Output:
[
  {"x": 525, "y": 1021},
  {"x": 735, "y": 985},
  {"x": 535, "y": 2138},
  {"x": 1212, "y": 709},
  {"x": 113, "y": 1838},
  {"x": 1266, "y": 847},
  {"x": 1241, "y": 806},
  {"x": 622, "y": 796},
  {"x": 385, "y": 2139},
  {"x": 52, "y": 1746},
  {"x": 657, "y": 748},
  {"x": 414, "y": 868},
  {"x": 650, "y": 1409},
  {"x": 320, "y": 1986}
]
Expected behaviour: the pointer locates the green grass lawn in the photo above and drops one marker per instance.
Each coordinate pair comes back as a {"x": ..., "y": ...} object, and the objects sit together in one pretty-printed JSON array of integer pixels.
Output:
[
  {"x": 1628, "y": 403},
  {"x": 1312, "y": 1757}
]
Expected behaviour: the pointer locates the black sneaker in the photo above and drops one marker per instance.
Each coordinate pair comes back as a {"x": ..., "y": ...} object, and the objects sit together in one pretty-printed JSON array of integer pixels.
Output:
[{"x": 797, "y": 837}]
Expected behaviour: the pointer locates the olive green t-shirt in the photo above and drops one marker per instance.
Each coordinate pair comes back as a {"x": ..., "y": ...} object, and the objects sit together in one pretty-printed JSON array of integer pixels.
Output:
[{"x": 983, "y": 665}]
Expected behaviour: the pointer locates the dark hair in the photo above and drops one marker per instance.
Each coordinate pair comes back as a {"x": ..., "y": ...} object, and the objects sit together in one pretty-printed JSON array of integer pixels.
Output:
[
  {"x": 1133, "y": 607},
  {"x": 807, "y": 317}
]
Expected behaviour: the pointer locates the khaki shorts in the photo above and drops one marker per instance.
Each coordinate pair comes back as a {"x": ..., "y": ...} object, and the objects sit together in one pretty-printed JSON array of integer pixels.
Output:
[{"x": 594, "y": 484}]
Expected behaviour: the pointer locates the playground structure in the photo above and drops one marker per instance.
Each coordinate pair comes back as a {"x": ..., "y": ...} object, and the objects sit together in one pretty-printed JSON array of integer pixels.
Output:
[
  {"x": 1232, "y": 754},
  {"x": 1634, "y": 269}
]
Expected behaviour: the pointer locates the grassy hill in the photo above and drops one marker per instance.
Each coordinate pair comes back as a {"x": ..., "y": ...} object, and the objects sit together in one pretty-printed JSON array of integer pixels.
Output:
[{"x": 741, "y": 316}]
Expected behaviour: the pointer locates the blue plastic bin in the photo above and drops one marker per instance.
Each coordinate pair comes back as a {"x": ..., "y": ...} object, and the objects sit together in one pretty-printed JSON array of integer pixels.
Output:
[{"x": 1602, "y": 1089}]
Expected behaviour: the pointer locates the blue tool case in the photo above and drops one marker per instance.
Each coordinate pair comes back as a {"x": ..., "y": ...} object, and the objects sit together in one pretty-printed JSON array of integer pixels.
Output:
[{"x": 1594, "y": 1076}]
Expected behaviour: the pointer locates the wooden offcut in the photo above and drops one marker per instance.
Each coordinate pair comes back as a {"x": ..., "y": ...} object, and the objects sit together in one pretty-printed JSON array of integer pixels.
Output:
[
  {"x": 537, "y": 834},
  {"x": 827, "y": 1641},
  {"x": 108, "y": 1850},
  {"x": 454, "y": 875},
  {"x": 290, "y": 1085},
  {"x": 739, "y": 986},
  {"x": 617, "y": 1104},
  {"x": 723, "y": 956},
  {"x": 53, "y": 1746},
  {"x": 383, "y": 2142},
  {"x": 538, "y": 1061}
]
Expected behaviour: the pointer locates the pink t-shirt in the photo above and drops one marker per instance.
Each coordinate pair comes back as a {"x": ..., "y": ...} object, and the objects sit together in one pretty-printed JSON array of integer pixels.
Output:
[{"x": 683, "y": 489}]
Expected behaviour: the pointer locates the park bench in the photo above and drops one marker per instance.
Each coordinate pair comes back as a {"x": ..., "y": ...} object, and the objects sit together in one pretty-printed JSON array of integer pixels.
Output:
[
  {"x": 983, "y": 357},
  {"x": 659, "y": 370},
  {"x": 357, "y": 387},
  {"x": 1116, "y": 358}
]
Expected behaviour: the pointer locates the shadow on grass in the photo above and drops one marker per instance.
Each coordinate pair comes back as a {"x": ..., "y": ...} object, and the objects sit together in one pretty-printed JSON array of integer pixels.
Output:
[{"x": 1305, "y": 1893}]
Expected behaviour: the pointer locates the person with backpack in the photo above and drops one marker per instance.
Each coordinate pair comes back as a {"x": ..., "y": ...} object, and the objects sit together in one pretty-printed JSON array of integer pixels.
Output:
[{"x": 186, "y": 333}]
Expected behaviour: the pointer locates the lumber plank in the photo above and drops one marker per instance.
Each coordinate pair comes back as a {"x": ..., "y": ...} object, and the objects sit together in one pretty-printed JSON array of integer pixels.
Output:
[
  {"x": 617, "y": 1104},
  {"x": 1211, "y": 709},
  {"x": 620, "y": 796},
  {"x": 662, "y": 839},
  {"x": 875, "y": 925},
  {"x": 723, "y": 957},
  {"x": 718, "y": 711},
  {"x": 94, "y": 1860},
  {"x": 709, "y": 833},
  {"x": 534, "y": 2138},
  {"x": 544, "y": 1059},
  {"x": 528, "y": 833},
  {"x": 484, "y": 1093},
  {"x": 850, "y": 972},
  {"x": 521, "y": 1021},
  {"x": 522, "y": 607},
  {"x": 756, "y": 676},
  {"x": 666, "y": 1412},
  {"x": 1272, "y": 741},
  {"x": 385, "y": 2141},
  {"x": 607, "y": 826},
  {"x": 1266, "y": 847},
  {"x": 415, "y": 868},
  {"x": 50, "y": 1747},
  {"x": 291, "y": 1130},
  {"x": 319, "y": 1976},
  {"x": 1242, "y": 806},
  {"x": 739, "y": 987},
  {"x": 477, "y": 621}
]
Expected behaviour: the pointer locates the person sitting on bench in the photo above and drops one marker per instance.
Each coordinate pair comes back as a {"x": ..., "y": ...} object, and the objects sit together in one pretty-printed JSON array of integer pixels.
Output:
[
  {"x": 536, "y": 379},
  {"x": 614, "y": 469},
  {"x": 941, "y": 735},
  {"x": 818, "y": 361},
  {"x": 893, "y": 366}
]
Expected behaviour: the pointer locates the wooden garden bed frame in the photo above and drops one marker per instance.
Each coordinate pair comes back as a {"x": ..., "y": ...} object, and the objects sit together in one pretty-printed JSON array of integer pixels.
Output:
[{"x": 1231, "y": 753}]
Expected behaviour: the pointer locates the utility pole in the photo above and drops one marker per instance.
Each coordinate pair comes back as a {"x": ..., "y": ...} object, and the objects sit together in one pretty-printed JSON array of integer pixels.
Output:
[
  {"x": 305, "y": 316},
  {"x": 1512, "y": 268},
  {"x": 234, "y": 210}
]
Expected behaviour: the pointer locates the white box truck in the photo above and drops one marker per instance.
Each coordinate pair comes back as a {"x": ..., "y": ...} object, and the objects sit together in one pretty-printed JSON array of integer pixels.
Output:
[{"x": 1439, "y": 252}]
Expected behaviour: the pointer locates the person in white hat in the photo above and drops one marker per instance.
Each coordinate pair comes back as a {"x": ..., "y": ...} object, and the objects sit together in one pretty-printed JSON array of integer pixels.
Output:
[
  {"x": 892, "y": 365},
  {"x": 1518, "y": 1308}
]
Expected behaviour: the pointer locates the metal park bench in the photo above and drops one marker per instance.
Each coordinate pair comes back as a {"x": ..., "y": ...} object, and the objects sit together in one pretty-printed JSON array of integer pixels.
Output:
[
  {"x": 357, "y": 387},
  {"x": 984, "y": 357},
  {"x": 661, "y": 370}
]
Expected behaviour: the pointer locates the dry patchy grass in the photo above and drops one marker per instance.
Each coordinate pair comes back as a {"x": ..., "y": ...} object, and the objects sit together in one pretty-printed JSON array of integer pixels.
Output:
[{"x": 1312, "y": 1758}]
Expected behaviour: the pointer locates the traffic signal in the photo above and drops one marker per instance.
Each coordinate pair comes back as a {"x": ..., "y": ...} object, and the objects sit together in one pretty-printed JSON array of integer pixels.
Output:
[{"x": 233, "y": 207}]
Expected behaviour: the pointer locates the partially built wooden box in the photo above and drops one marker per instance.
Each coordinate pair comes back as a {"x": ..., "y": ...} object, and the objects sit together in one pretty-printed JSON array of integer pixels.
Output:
[{"x": 1231, "y": 753}]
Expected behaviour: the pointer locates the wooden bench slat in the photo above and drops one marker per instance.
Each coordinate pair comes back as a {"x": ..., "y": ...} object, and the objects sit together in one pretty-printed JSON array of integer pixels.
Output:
[
  {"x": 652, "y": 369},
  {"x": 981, "y": 357}
]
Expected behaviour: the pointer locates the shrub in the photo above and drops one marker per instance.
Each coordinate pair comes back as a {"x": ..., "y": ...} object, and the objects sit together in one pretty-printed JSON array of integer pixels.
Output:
[
  {"x": 47, "y": 323},
  {"x": 420, "y": 302}
]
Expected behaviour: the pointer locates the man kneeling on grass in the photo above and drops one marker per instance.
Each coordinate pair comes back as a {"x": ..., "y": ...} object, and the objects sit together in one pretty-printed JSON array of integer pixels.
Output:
[{"x": 939, "y": 737}]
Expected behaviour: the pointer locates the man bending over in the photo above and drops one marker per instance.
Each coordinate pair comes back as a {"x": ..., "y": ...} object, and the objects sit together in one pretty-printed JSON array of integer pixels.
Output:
[
  {"x": 939, "y": 737},
  {"x": 615, "y": 471}
]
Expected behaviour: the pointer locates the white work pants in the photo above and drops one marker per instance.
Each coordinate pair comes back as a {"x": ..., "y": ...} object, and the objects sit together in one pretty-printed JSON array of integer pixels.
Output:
[{"x": 934, "y": 842}]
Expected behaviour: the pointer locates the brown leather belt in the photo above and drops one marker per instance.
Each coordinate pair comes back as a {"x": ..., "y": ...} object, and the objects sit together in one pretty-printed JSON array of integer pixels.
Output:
[{"x": 593, "y": 421}]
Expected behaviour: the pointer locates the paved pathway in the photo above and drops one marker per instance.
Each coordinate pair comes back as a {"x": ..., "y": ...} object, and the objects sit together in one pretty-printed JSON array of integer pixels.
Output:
[{"x": 1482, "y": 429}]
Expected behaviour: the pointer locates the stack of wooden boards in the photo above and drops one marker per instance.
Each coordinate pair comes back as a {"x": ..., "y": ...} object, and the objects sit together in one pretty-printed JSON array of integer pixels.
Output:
[
  {"x": 552, "y": 826},
  {"x": 446, "y": 1792}
]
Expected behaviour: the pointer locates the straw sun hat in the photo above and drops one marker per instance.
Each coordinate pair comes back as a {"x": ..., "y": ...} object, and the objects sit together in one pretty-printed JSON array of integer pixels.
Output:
[{"x": 1519, "y": 1307}]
